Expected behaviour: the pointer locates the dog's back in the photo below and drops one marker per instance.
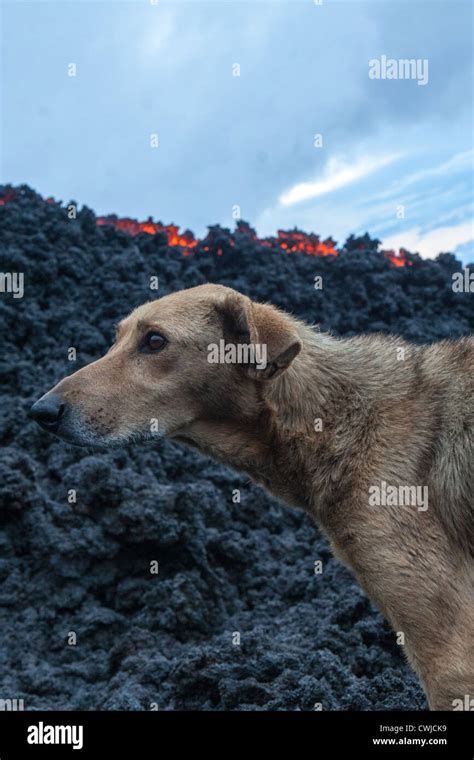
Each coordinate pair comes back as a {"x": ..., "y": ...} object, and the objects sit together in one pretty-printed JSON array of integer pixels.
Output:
[{"x": 447, "y": 374}]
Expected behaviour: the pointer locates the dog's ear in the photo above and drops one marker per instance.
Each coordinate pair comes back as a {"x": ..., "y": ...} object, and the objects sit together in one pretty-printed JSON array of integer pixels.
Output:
[
  {"x": 235, "y": 313},
  {"x": 246, "y": 322},
  {"x": 275, "y": 331}
]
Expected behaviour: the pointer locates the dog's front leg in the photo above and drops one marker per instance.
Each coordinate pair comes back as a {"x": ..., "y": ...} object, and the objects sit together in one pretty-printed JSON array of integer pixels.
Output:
[{"x": 422, "y": 584}]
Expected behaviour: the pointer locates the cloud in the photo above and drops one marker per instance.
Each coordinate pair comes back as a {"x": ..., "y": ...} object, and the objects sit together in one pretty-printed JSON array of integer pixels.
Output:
[
  {"x": 429, "y": 244},
  {"x": 459, "y": 163},
  {"x": 337, "y": 174}
]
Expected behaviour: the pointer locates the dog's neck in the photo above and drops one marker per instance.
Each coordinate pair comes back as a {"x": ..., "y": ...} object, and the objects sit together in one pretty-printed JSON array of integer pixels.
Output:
[{"x": 302, "y": 410}]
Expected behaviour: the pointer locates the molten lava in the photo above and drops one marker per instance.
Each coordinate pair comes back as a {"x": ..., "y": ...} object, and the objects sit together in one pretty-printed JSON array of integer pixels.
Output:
[
  {"x": 291, "y": 241},
  {"x": 10, "y": 195},
  {"x": 132, "y": 227},
  {"x": 398, "y": 259}
]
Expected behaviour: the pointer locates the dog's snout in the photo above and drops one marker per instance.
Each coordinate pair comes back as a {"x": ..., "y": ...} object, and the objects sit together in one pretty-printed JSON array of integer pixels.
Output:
[{"x": 48, "y": 410}]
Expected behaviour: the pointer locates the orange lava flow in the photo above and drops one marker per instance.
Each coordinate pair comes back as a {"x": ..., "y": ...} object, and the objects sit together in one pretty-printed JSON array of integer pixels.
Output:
[{"x": 291, "y": 241}]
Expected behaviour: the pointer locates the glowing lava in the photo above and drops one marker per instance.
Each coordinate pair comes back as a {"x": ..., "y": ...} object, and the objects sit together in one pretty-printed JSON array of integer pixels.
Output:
[{"x": 291, "y": 241}]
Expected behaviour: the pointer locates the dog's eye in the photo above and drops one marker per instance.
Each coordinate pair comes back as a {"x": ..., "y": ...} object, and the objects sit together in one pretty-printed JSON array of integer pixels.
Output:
[{"x": 154, "y": 342}]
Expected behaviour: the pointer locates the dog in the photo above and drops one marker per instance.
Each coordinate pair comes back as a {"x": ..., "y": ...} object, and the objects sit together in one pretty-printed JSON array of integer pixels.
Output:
[{"x": 372, "y": 436}]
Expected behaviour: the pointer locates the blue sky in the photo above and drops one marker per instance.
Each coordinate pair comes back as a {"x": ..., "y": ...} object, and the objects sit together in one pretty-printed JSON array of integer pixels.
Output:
[{"x": 396, "y": 157}]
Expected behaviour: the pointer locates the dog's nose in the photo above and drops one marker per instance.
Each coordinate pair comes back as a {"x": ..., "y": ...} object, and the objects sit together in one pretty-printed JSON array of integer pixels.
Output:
[{"x": 48, "y": 410}]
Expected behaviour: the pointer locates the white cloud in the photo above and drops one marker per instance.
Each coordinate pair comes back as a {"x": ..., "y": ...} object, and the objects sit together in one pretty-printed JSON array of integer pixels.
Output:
[
  {"x": 337, "y": 174},
  {"x": 431, "y": 243},
  {"x": 455, "y": 163},
  {"x": 460, "y": 162}
]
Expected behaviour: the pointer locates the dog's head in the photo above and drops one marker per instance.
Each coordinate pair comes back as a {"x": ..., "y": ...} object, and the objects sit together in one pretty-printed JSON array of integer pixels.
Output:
[{"x": 203, "y": 354}]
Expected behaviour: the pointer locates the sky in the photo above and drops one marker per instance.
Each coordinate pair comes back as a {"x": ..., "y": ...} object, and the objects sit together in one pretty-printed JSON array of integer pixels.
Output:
[{"x": 195, "y": 113}]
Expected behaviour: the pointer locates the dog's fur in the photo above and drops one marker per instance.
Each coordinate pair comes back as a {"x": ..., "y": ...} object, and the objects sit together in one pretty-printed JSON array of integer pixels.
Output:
[{"x": 399, "y": 417}]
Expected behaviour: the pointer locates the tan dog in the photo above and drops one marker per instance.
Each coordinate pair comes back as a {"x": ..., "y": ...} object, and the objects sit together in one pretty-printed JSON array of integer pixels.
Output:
[{"x": 371, "y": 435}]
